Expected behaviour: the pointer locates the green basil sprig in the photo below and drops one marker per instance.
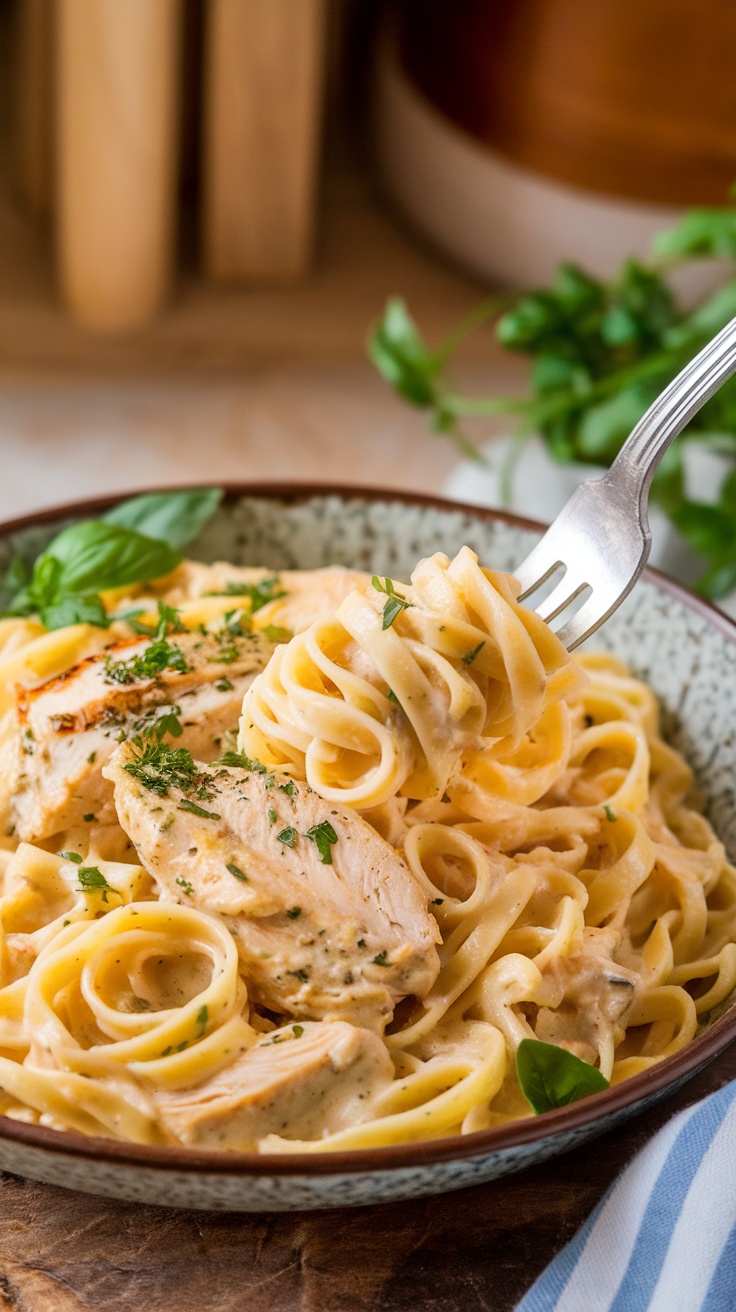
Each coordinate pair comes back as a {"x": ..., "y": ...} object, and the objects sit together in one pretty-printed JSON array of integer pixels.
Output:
[
  {"x": 171, "y": 517},
  {"x": 135, "y": 542},
  {"x": 553, "y": 1077},
  {"x": 600, "y": 352}
]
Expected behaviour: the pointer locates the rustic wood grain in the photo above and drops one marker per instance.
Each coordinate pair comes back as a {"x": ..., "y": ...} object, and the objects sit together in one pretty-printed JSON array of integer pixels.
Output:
[
  {"x": 264, "y": 70},
  {"x": 473, "y": 1251},
  {"x": 117, "y": 75}
]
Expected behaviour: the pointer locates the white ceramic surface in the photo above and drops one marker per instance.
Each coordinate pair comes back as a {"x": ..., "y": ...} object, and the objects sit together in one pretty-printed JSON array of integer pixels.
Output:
[{"x": 495, "y": 217}]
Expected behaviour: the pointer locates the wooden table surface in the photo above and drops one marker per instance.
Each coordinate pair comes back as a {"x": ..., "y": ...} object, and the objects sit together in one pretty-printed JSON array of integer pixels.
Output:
[{"x": 475, "y": 1250}]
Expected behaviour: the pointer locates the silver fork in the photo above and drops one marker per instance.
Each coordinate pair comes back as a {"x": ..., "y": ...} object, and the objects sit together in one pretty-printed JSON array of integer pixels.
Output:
[{"x": 601, "y": 536}]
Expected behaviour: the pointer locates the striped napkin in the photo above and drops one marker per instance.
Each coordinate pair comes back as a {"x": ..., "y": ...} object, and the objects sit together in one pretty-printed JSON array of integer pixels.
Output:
[{"x": 663, "y": 1239}]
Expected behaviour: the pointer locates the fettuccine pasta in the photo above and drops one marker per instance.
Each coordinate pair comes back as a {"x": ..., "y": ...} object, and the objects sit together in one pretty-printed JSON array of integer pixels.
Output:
[{"x": 347, "y": 844}]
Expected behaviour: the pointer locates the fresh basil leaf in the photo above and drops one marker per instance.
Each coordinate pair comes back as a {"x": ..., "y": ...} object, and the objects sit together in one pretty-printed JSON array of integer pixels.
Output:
[
  {"x": 74, "y": 609},
  {"x": 45, "y": 579},
  {"x": 17, "y": 575},
  {"x": 100, "y": 556},
  {"x": 399, "y": 354},
  {"x": 551, "y": 1077},
  {"x": 171, "y": 517}
]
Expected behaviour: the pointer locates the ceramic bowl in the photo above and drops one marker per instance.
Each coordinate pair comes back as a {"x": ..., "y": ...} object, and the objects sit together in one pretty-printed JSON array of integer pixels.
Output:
[{"x": 683, "y": 647}]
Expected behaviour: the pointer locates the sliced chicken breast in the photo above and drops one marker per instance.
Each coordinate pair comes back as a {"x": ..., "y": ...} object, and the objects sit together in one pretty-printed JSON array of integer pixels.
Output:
[
  {"x": 329, "y": 920},
  {"x": 298, "y": 596},
  {"x": 69, "y": 727},
  {"x": 301, "y": 1081}
]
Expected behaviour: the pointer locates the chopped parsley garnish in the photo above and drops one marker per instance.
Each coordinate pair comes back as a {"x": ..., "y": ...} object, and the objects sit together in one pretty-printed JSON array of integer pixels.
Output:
[
  {"x": 361, "y": 943},
  {"x": 92, "y": 880},
  {"x": 168, "y": 618},
  {"x": 300, "y": 974},
  {"x": 298, "y": 1030},
  {"x": 287, "y": 788},
  {"x": 186, "y": 805},
  {"x": 224, "y": 684},
  {"x": 392, "y": 696},
  {"x": 71, "y": 856},
  {"x": 470, "y": 656},
  {"x": 89, "y": 816},
  {"x": 165, "y": 1051},
  {"x": 275, "y": 633},
  {"x": 260, "y": 594},
  {"x": 324, "y": 837},
  {"x": 610, "y": 813},
  {"x": 168, "y": 723},
  {"x": 437, "y": 901},
  {"x": 201, "y": 1020},
  {"x": 395, "y": 603},
  {"x": 184, "y": 883},
  {"x": 239, "y": 761},
  {"x": 380, "y": 960},
  {"x": 130, "y": 617},
  {"x": 91, "y": 758},
  {"x": 272, "y": 816},
  {"x": 160, "y": 654},
  {"x": 287, "y": 836},
  {"x": 294, "y": 913},
  {"x": 236, "y": 625},
  {"x": 235, "y": 870},
  {"x": 159, "y": 767}
]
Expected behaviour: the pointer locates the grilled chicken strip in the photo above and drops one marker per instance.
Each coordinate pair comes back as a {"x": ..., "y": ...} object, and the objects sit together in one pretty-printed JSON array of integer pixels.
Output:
[
  {"x": 300, "y": 1081},
  {"x": 68, "y": 727},
  {"x": 330, "y": 922}
]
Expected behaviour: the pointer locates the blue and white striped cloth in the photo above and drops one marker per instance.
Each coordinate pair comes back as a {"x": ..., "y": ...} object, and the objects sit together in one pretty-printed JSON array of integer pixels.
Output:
[{"x": 663, "y": 1239}]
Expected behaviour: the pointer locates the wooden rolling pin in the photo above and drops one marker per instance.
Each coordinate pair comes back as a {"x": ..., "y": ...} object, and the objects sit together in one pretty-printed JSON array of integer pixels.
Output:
[
  {"x": 117, "y": 97},
  {"x": 264, "y": 68}
]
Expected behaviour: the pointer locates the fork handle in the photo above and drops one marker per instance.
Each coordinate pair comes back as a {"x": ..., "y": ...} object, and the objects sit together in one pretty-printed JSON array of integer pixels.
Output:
[{"x": 634, "y": 466}]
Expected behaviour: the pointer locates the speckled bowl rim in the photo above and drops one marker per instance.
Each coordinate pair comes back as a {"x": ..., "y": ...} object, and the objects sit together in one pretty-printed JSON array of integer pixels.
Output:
[{"x": 647, "y": 1084}]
